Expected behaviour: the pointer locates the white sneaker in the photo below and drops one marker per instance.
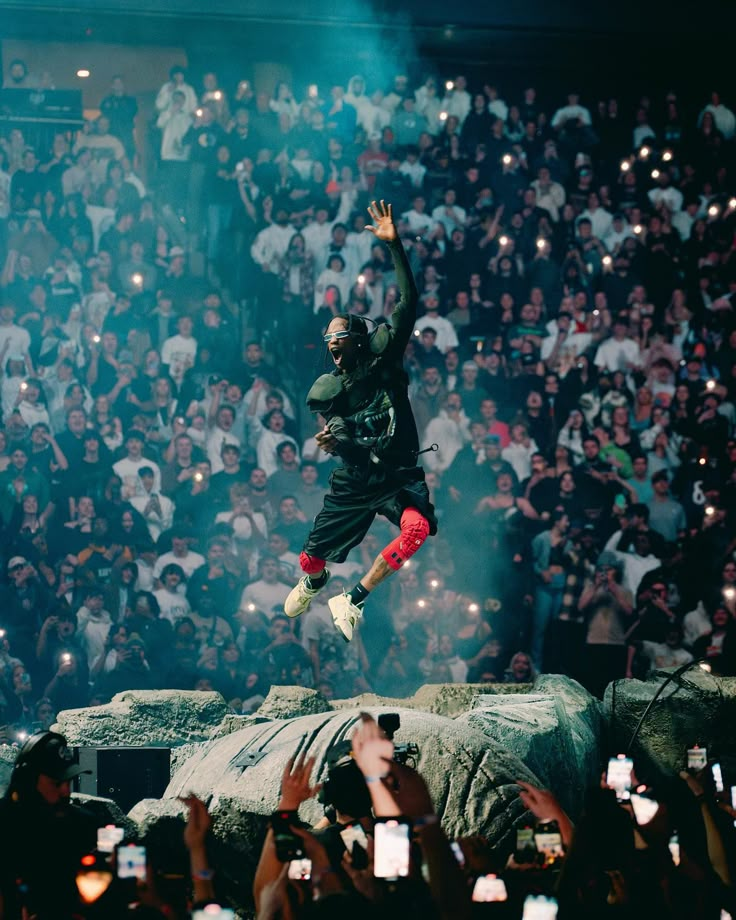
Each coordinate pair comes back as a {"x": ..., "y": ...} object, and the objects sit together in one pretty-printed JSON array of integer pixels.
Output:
[
  {"x": 345, "y": 615},
  {"x": 301, "y": 596}
]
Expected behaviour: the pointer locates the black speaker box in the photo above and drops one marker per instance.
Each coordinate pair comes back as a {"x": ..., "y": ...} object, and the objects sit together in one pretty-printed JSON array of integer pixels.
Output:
[{"x": 124, "y": 774}]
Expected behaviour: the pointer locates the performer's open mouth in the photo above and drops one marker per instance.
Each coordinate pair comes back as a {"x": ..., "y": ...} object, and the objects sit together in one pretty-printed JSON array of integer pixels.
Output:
[{"x": 336, "y": 356}]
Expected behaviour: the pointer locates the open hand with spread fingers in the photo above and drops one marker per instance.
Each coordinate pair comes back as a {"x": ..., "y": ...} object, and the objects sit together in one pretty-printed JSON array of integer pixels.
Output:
[{"x": 383, "y": 221}]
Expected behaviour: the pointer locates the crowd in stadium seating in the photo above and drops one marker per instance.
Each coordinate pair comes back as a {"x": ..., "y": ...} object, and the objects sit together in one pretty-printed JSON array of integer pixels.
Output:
[{"x": 165, "y": 280}]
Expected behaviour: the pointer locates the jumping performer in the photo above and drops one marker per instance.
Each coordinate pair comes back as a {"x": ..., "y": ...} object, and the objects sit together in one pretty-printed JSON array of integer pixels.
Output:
[{"x": 370, "y": 426}]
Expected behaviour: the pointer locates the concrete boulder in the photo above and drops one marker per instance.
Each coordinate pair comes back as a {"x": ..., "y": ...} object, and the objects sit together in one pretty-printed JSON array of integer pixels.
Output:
[
  {"x": 145, "y": 718},
  {"x": 471, "y": 779},
  {"x": 538, "y": 730},
  {"x": 108, "y": 812},
  {"x": 8, "y": 753},
  {"x": 695, "y": 708},
  {"x": 290, "y": 702},
  {"x": 441, "y": 699}
]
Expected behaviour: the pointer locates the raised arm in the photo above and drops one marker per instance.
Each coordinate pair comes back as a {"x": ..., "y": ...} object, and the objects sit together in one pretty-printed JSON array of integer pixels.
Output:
[{"x": 404, "y": 315}]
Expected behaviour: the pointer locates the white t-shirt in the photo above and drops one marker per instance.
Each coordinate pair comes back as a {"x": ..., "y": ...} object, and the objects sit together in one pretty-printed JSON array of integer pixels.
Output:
[
  {"x": 93, "y": 632},
  {"x": 660, "y": 655},
  {"x": 157, "y": 523},
  {"x": 671, "y": 197},
  {"x": 32, "y": 415},
  {"x": 614, "y": 356},
  {"x": 574, "y": 344},
  {"x": 419, "y": 222},
  {"x": 215, "y": 440},
  {"x": 173, "y": 605},
  {"x": 179, "y": 353},
  {"x": 568, "y": 112},
  {"x": 446, "y": 335},
  {"x": 189, "y": 563},
  {"x": 264, "y": 596},
  {"x": 266, "y": 450},
  {"x": 18, "y": 339},
  {"x": 127, "y": 470},
  {"x": 520, "y": 458}
]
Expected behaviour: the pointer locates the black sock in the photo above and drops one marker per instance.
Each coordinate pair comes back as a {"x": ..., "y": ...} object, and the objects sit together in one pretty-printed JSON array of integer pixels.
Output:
[
  {"x": 359, "y": 594},
  {"x": 318, "y": 580}
]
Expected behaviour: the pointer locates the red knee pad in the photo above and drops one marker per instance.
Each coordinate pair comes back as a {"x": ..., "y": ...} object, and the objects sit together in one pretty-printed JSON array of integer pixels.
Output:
[
  {"x": 311, "y": 564},
  {"x": 414, "y": 531}
]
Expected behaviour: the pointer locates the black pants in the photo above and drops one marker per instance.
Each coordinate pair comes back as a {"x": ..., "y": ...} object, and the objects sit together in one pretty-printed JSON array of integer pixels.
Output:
[{"x": 356, "y": 497}]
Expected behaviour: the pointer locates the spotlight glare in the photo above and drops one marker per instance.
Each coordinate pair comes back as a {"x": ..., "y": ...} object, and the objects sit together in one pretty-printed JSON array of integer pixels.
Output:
[
  {"x": 644, "y": 152},
  {"x": 82, "y": 74},
  {"x": 713, "y": 210},
  {"x": 625, "y": 165},
  {"x": 656, "y": 174},
  {"x": 667, "y": 156},
  {"x": 449, "y": 86}
]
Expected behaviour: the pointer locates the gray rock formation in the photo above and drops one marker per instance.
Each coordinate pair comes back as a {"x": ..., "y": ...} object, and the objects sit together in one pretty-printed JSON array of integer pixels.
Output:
[
  {"x": 290, "y": 702},
  {"x": 470, "y": 777},
  {"x": 560, "y": 747},
  {"x": 145, "y": 718},
  {"x": 108, "y": 812},
  {"x": 697, "y": 708},
  {"x": 474, "y": 741},
  {"x": 8, "y": 753},
  {"x": 440, "y": 699}
]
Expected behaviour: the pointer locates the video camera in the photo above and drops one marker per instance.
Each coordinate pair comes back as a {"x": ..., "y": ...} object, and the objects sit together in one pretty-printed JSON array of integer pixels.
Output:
[{"x": 390, "y": 723}]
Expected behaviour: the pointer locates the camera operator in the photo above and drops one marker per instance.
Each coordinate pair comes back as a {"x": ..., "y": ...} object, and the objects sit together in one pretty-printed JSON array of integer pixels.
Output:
[{"x": 49, "y": 834}]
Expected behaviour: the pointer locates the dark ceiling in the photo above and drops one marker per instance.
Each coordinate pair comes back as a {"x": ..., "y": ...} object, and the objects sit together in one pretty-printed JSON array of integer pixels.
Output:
[{"x": 584, "y": 38}]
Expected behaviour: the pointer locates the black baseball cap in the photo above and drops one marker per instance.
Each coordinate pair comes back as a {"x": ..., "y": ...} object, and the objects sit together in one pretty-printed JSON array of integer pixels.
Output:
[{"x": 48, "y": 754}]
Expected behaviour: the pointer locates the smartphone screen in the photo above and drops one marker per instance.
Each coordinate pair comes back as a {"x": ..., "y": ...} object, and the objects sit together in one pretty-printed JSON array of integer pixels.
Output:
[
  {"x": 109, "y": 837},
  {"x": 457, "y": 852},
  {"x": 618, "y": 776},
  {"x": 300, "y": 870},
  {"x": 489, "y": 888},
  {"x": 354, "y": 833},
  {"x": 391, "y": 856},
  {"x": 526, "y": 847},
  {"x": 549, "y": 844},
  {"x": 717, "y": 776},
  {"x": 288, "y": 845},
  {"x": 538, "y": 907},
  {"x": 644, "y": 808},
  {"x": 213, "y": 910},
  {"x": 697, "y": 758},
  {"x": 132, "y": 862},
  {"x": 674, "y": 847}
]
